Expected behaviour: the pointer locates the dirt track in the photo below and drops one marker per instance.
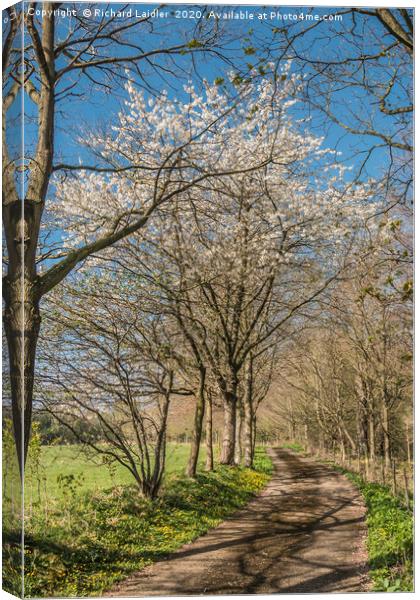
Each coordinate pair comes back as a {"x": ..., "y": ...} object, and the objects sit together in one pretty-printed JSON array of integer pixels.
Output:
[{"x": 304, "y": 533}]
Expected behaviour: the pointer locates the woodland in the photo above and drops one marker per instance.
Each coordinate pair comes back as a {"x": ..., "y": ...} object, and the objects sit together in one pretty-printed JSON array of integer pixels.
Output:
[{"x": 207, "y": 251}]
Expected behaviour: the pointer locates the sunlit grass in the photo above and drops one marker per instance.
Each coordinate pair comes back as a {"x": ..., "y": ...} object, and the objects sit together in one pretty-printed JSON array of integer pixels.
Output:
[
  {"x": 89, "y": 473},
  {"x": 390, "y": 537},
  {"x": 82, "y": 542}
]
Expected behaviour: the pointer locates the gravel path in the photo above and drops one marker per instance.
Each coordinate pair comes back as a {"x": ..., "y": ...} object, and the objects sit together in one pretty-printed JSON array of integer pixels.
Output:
[{"x": 304, "y": 533}]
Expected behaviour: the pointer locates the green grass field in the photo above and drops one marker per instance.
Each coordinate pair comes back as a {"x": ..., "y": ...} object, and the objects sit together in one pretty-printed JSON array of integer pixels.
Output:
[
  {"x": 89, "y": 474},
  {"x": 62, "y": 467}
]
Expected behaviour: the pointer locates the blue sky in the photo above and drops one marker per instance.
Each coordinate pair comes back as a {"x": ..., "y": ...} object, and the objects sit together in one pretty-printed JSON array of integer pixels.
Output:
[{"x": 74, "y": 114}]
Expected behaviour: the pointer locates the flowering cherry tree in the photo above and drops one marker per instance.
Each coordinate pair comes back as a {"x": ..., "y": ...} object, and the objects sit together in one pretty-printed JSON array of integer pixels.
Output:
[
  {"x": 252, "y": 220},
  {"x": 67, "y": 64},
  {"x": 159, "y": 149},
  {"x": 241, "y": 254}
]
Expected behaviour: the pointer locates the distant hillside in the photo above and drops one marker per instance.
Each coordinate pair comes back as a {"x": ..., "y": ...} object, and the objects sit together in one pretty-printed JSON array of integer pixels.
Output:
[{"x": 181, "y": 416}]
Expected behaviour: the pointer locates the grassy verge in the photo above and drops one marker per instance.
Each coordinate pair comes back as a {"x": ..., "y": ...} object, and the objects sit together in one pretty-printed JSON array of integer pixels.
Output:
[
  {"x": 390, "y": 537},
  {"x": 390, "y": 533},
  {"x": 98, "y": 538}
]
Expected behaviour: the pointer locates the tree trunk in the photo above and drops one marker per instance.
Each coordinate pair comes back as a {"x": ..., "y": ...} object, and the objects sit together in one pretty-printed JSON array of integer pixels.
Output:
[
  {"x": 385, "y": 429},
  {"x": 348, "y": 437},
  {"x": 371, "y": 425},
  {"x": 21, "y": 324},
  {"x": 253, "y": 434},
  {"x": 209, "y": 433},
  {"x": 248, "y": 453},
  {"x": 228, "y": 446},
  {"x": 306, "y": 437},
  {"x": 407, "y": 435},
  {"x": 198, "y": 426},
  {"x": 22, "y": 222},
  {"x": 238, "y": 433},
  {"x": 160, "y": 449},
  {"x": 343, "y": 451},
  {"x": 321, "y": 442}
]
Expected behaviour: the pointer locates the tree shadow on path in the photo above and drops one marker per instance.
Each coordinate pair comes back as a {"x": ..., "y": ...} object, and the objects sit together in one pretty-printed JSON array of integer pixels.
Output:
[{"x": 303, "y": 533}]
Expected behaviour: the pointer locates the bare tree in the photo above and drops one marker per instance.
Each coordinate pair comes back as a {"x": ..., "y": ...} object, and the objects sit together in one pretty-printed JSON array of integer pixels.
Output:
[
  {"x": 348, "y": 377},
  {"x": 108, "y": 363},
  {"x": 66, "y": 64},
  {"x": 358, "y": 72}
]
